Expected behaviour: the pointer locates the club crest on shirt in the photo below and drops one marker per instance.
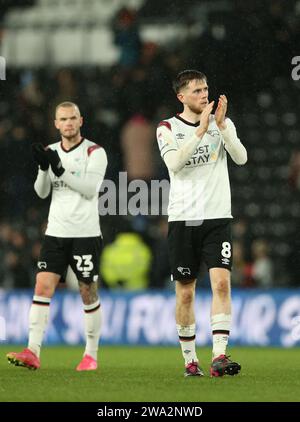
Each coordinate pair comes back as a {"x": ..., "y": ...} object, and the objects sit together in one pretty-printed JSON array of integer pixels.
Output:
[{"x": 214, "y": 133}]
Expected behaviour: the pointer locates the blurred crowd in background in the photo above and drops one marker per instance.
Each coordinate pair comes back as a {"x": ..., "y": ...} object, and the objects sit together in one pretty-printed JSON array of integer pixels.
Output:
[{"x": 245, "y": 54}]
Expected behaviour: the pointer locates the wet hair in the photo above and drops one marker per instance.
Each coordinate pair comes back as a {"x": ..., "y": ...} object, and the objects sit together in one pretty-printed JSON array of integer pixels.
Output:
[{"x": 183, "y": 78}]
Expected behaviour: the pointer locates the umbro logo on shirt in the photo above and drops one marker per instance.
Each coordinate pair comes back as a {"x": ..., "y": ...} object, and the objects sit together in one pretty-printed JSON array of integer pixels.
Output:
[{"x": 179, "y": 136}]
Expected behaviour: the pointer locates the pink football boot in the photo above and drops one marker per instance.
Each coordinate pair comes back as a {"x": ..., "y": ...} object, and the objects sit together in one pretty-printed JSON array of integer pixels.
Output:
[
  {"x": 87, "y": 364},
  {"x": 25, "y": 358}
]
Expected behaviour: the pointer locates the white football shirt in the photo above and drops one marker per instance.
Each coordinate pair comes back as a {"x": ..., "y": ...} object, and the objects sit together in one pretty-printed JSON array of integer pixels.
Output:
[
  {"x": 75, "y": 214},
  {"x": 201, "y": 189}
]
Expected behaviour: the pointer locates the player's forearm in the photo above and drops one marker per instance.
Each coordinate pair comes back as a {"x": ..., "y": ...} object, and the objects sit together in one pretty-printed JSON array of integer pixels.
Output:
[
  {"x": 233, "y": 145},
  {"x": 42, "y": 185},
  {"x": 88, "y": 186},
  {"x": 176, "y": 160}
]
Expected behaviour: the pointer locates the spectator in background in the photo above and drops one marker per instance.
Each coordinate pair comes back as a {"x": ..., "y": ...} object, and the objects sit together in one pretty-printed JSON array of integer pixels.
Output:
[
  {"x": 5, "y": 236},
  {"x": 293, "y": 258},
  {"x": 18, "y": 172},
  {"x": 126, "y": 262},
  {"x": 14, "y": 258},
  {"x": 138, "y": 148},
  {"x": 33, "y": 102},
  {"x": 161, "y": 271},
  {"x": 238, "y": 273},
  {"x": 126, "y": 36},
  {"x": 23, "y": 240},
  {"x": 279, "y": 40},
  {"x": 262, "y": 267},
  {"x": 16, "y": 273},
  {"x": 135, "y": 94},
  {"x": 152, "y": 62},
  {"x": 294, "y": 171},
  {"x": 241, "y": 234}
]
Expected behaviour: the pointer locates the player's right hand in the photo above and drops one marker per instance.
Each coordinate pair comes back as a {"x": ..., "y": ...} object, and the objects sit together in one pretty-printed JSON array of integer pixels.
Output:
[
  {"x": 40, "y": 156},
  {"x": 204, "y": 119}
]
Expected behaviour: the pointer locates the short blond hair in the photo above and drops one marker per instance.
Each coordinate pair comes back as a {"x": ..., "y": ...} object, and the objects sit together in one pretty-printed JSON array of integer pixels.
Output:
[{"x": 67, "y": 104}]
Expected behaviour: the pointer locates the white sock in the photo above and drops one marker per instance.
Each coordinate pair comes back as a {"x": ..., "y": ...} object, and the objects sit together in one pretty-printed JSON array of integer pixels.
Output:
[
  {"x": 186, "y": 334},
  {"x": 92, "y": 323},
  {"x": 220, "y": 325},
  {"x": 38, "y": 319}
]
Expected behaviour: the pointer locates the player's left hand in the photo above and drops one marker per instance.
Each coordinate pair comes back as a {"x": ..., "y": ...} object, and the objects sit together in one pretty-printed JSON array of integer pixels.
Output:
[
  {"x": 220, "y": 113},
  {"x": 39, "y": 156},
  {"x": 55, "y": 162}
]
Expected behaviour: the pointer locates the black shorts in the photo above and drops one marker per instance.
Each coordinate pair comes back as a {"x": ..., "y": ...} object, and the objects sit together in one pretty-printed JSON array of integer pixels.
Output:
[
  {"x": 81, "y": 253},
  {"x": 189, "y": 245}
]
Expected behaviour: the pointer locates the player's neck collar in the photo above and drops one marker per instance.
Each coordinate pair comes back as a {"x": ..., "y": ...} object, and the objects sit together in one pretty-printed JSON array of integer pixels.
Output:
[
  {"x": 74, "y": 147},
  {"x": 186, "y": 122}
]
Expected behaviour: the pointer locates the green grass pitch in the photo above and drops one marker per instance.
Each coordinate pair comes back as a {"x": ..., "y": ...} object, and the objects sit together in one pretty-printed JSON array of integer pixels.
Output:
[{"x": 151, "y": 374}]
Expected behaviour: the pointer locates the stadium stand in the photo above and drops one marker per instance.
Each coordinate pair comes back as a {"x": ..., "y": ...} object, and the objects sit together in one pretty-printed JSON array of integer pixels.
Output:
[{"x": 70, "y": 51}]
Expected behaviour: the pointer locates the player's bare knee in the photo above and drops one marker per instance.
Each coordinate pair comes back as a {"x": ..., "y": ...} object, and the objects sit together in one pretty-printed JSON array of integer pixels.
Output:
[
  {"x": 46, "y": 283},
  {"x": 89, "y": 292},
  {"x": 221, "y": 287},
  {"x": 43, "y": 288},
  {"x": 84, "y": 292},
  {"x": 186, "y": 295},
  {"x": 89, "y": 299}
]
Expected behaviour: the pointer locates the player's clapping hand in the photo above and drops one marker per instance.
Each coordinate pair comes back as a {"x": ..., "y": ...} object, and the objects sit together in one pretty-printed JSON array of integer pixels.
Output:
[
  {"x": 204, "y": 119},
  {"x": 39, "y": 156},
  {"x": 221, "y": 112},
  {"x": 55, "y": 162}
]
